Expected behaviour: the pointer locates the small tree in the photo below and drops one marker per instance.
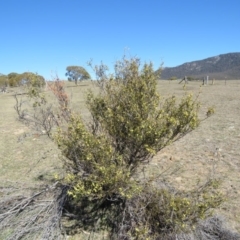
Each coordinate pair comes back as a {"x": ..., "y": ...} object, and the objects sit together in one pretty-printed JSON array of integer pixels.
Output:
[
  {"x": 13, "y": 79},
  {"x": 77, "y": 73},
  {"x": 104, "y": 160}
]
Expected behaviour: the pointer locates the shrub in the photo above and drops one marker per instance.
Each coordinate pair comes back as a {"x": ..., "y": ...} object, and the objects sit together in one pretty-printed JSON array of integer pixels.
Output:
[{"x": 104, "y": 159}]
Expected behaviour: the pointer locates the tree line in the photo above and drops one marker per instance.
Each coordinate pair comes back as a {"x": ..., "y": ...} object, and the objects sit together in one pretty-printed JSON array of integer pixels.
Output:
[{"x": 13, "y": 79}]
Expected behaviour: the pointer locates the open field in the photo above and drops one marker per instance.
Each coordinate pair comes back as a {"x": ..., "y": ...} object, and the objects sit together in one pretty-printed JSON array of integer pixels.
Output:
[{"x": 213, "y": 147}]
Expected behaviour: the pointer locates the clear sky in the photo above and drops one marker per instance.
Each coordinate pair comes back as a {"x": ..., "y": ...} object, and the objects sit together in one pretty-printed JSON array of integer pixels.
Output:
[{"x": 46, "y": 36}]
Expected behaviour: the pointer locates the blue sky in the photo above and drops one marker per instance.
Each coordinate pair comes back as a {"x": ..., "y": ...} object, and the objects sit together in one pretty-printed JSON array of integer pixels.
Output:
[{"x": 46, "y": 36}]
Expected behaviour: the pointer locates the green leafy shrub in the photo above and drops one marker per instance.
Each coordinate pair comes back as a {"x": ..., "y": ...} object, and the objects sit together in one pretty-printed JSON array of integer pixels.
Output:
[{"x": 130, "y": 123}]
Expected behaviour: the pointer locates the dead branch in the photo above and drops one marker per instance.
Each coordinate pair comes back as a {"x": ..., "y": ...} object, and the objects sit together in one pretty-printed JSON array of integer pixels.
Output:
[
  {"x": 40, "y": 115},
  {"x": 37, "y": 216}
]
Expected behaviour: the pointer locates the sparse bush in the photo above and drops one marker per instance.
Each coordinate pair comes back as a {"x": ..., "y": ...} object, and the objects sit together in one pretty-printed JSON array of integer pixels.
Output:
[
  {"x": 39, "y": 114},
  {"x": 57, "y": 88}
]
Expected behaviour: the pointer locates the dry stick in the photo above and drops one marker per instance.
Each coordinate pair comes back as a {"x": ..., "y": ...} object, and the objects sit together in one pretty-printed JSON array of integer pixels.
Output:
[
  {"x": 17, "y": 209},
  {"x": 48, "y": 212}
]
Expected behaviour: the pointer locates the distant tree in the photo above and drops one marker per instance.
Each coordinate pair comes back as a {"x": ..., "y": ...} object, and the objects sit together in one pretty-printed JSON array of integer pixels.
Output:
[
  {"x": 13, "y": 79},
  {"x": 75, "y": 73},
  {"x": 26, "y": 78},
  {"x": 32, "y": 79},
  {"x": 3, "y": 80}
]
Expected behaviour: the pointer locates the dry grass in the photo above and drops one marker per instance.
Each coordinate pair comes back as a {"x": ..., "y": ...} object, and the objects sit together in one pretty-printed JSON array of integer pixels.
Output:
[
  {"x": 32, "y": 159},
  {"x": 214, "y": 146}
]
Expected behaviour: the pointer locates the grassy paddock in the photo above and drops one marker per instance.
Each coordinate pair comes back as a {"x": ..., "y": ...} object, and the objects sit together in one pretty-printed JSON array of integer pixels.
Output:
[{"x": 214, "y": 147}]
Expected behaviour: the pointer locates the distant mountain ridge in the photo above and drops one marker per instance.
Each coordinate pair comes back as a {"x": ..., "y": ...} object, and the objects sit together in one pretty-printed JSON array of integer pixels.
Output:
[{"x": 223, "y": 66}]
